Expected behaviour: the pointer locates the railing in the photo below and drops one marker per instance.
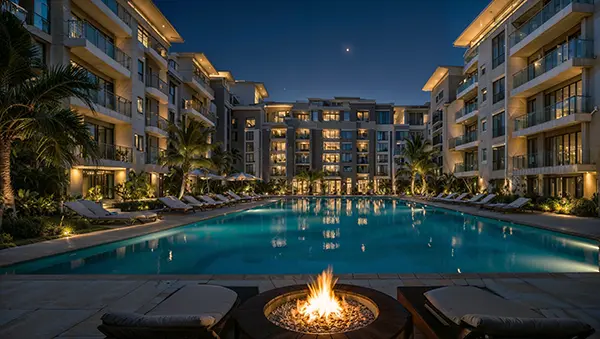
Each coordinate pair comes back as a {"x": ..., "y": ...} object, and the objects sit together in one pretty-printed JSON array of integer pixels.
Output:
[
  {"x": 362, "y": 136},
  {"x": 467, "y": 109},
  {"x": 119, "y": 10},
  {"x": 466, "y": 138},
  {"x": 498, "y": 164},
  {"x": 278, "y": 173},
  {"x": 362, "y": 169},
  {"x": 157, "y": 46},
  {"x": 382, "y": 148},
  {"x": 437, "y": 117},
  {"x": 154, "y": 120},
  {"x": 332, "y": 173},
  {"x": 302, "y": 136},
  {"x": 173, "y": 65},
  {"x": 498, "y": 131},
  {"x": 14, "y": 9},
  {"x": 203, "y": 81},
  {"x": 466, "y": 83},
  {"x": 154, "y": 154},
  {"x": 572, "y": 105},
  {"x": 362, "y": 161},
  {"x": 362, "y": 149},
  {"x": 302, "y": 161},
  {"x": 278, "y": 135},
  {"x": 437, "y": 140},
  {"x": 82, "y": 29},
  {"x": 547, "y": 12},
  {"x": 278, "y": 161},
  {"x": 472, "y": 54},
  {"x": 303, "y": 149},
  {"x": 462, "y": 167},
  {"x": 115, "y": 153},
  {"x": 550, "y": 159},
  {"x": 192, "y": 104},
  {"x": 155, "y": 82},
  {"x": 576, "y": 48},
  {"x": 112, "y": 102},
  {"x": 498, "y": 97},
  {"x": 382, "y": 173}
]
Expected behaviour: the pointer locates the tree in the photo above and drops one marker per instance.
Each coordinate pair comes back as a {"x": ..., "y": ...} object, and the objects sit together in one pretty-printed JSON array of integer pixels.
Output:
[
  {"x": 188, "y": 150},
  {"x": 224, "y": 160},
  {"x": 419, "y": 163},
  {"x": 310, "y": 176},
  {"x": 32, "y": 106}
]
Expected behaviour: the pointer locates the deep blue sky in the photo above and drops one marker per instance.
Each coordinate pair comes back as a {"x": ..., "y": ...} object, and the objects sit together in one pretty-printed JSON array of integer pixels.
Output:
[{"x": 298, "y": 47}]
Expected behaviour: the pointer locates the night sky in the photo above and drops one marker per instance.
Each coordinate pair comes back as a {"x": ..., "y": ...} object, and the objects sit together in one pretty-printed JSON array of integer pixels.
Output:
[{"x": 298, "y": 48}]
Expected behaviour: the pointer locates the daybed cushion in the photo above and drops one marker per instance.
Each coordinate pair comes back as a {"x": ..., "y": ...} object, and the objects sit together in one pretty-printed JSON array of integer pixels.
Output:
[
  {"x": 454, "y": 302},
  {"x": 123, "y": 319},
  {"x": 208, "y": 300},
  {"x": 539, "y": 327}
]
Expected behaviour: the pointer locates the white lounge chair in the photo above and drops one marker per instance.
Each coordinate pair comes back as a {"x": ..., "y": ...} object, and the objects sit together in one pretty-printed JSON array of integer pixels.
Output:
[
  {"x": 449, "y": 196},
  {"x": 194, "y": 202},
  {"x": 211, "y": 201},
  {"x": 100, "y": 211},
  {"x": 174, "y": 204},
  {"x": 86, "y": 213},
  {"x": 237, "y": 197},
  {"x": 483, "y": 201},
  {"x": 512, "y": 207},
  {"x": 224, "y": 199},
  {"x": 457, "y": 199},
  {"x": 439, "y": 196},
  {"x": 472, "y": 200}
]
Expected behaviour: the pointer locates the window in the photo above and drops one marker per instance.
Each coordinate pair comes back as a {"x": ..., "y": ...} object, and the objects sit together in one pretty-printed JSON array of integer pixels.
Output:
[
  {"x": 346, "y": 116},
  {"x": 331, "y": 116},
  {"x": 249, "y": 135},
  {"x": 141, "y": 70},
  {"x": 250, "y": 169},
  {"x": 331, "y": 146},
  {"x": 250, "y": 147},
  {"x": 40, "y": 48},
  {"x": 347, "y": 134},
  {"x": 138, "y": 142},
  {"x": 362, "y": 134},
  {"x": 484, "y": 155},
  {"x": 233, "y": 123},
  {"x": 143, "y": 36},
  {"x": 382, "y": 147},
  {"x": 346, "y": 157},
  {"x": 302, "y": 146},
  {"x": 347, "y": 169},
  {"x": 346, "y": 146},
  {"x": 482, "y": 70},
  {"x": 484, "y": 125},
  {"x": 498, "y": 158},
  {"x": 249, "y": 157},
  {"x": 498, "y": 125},
  {"x": 140, "y": 105},
  {"x": 498, "y": 88},
  {"x": 234, "y": 136},
  {"x": 331, "y": 134},
  {"x": 498, "y": 50},
  {"x": 315, "y": 115},
  {"x": 250, "y": 122},
  {"x": 383, "y": 117},
  {"x": 382, "y": 158},
  {"x": 278, "y": 133},
  {"x": 382, "y": 135},
  {"x": 278, "y": 146},
  {"x": 331, "y": 158},
  {"x": 303, "y": 116},
  {"x": 172, "y": 93},
  {"x": 415, "y": 119},
  {"x": 401, "y": 135},
  {"x": 483, "y": 94},
  {"x": 440, "y": 96},
  {"x": 362, "y": 116}
]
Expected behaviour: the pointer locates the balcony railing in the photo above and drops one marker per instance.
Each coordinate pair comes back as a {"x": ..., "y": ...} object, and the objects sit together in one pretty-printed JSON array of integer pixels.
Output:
[
  {"x": 382, "y": 173},
  {"x": 278, "y": 173},
  {"x": 115, "y": 153},
  {"x": 466, "y": 83},
  {"x": 119, "y": 10},
  {"x": 362, "y": 169},
  {"x": 14, "y": 9},
  {"x": 550, "y": 159},
  {"x": 362, "y": 161},
  {"x": 157, "y": 46},
  {"x": 82, "y": 29},
  {"x": 467, "y": 109},
  {"x": 154, "y": 120},
  {"x": 576, "y": 48},
  {"x": 437, "y": 117},
  {"x": 173, "y": 65},
  {"x": 437, "y": 140},
  {"x": 302, "y": 136},
  {"x": 572, "y": 105},
  {"x": 303, "y": 161},
  {"x": 547, "y": 12},
  {"x": 471, "y": 55},
  {"x": 332, "y": 173},
  {"x": 278, "y": 135},
  {"x": 155, "y": 82},
  {"x": 203, "y": 81},
  {"x": 466, "y": 138},
  {"x": 462, "y": 167},
  {"x": 112, "y": 102},
  {"x": 498, "y": 97},
  {"x": 154, "y": 154}
]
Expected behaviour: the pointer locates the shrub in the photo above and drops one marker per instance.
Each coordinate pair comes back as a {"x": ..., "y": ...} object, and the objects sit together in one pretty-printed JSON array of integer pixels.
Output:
[
  {"x": 95, "y": 193},
  {"x": 131, "y": 206},
  {"x": 585, "y": 208},
  {"x": 136, "y": 187},
  {"x": 6, "y": 241},
  {"x": 30, "y": 203},
  {"x": 24, "y": 227}
]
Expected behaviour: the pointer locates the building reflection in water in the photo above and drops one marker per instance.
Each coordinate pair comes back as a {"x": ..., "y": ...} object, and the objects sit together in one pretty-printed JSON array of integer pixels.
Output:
[
  {"x": 362, "y": 221},
  {"x": 363, "y": 247},
  {"x": 278, "y": 242},
  {"x": 331, "y": 234},
  {"x": 328, "y": 246}
]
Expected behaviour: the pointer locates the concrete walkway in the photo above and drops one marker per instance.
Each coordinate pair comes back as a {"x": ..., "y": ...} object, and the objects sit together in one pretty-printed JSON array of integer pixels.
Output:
[
  {"x": 71, "y": 306},
  {"x": 170, "y": 220}
]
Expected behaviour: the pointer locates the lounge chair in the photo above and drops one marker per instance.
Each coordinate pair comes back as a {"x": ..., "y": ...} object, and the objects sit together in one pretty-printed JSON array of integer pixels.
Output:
[
  {"x": 457, "y": 199},
  {"x": 211, "y": 201},
  {"x": 194, "y": 202},
  {"x": 512, "y": 207},
  {"x": 439, "y": 196},
  {"x": 483, "y": 201},
  {"x": 224, "y": 199},
  {"x": 98, "y": 210},
  {"x": 86, "y": 213},
  {"x": 468, "y": 312},
  {"x": 472, "y": 200},
  {"x": 449, "y": 196},
  {"x": 237, "y": 197},
  {"x": 194, "y": 311},
  {"x": 174, "y": 204},
  {"x": 249, "y": 197}
]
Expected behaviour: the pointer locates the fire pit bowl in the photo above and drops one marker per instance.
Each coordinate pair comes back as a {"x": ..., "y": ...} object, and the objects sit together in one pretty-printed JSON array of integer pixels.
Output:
[{"x": 367, "y": 313}]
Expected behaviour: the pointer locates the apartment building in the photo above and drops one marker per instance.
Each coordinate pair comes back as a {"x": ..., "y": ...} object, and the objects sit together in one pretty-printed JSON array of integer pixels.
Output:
[
  {"x": 524, "y": 114},
  {"x": 353, "y": 141}
]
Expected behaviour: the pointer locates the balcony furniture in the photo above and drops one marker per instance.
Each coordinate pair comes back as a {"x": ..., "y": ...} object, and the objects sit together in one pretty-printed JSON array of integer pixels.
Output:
[
  {"x": 193, "y": 311},
  {"x": 469, "y": 312},
  {"x": 174, "y": 204},
  {"x": 84, "y": 212},
  {"x": 484, "y": 201}
]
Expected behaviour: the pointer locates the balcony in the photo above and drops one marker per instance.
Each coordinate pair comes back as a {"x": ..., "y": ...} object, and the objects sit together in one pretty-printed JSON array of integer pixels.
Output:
[
  {"x": 305, "y": 160},
  {"x": 332, "y": 173},
  {"x": 200, "y": 83},
  {"x": 157, "y": 125},
  {"x": 278, "y": 173},
  {"x": 553, "y": 162},
  {"x": 107, "y": 107},
  {"x": 33, "y": 20},
  {"x": 157, "y": 88},
  {"x": 553, "y": 20},
  {"x": 109, "y": 156},
  {"x": 362, "y": 169},
  {"x": 16, "y": 10},
  {"x": 437, "y": 140},
  {"x": 156, "y": 51},
  {"x": 382, "y": 174},
  {"x": 278, "y": 135},
  {"x": 303, "y": 136},
  {"x": 438, "y": 117},
  {"x": 467, "y": 113},
  {"x": 110, "y": 14},
  {"x": 467, "y": 87},
  {"x": 195, "y": 109},
  {"x": 466, "y": 141},
  {"x": 563, "y": 63},
  {"x": 88, "y": 44},
  {"x": 154, "y": 154},
  {"x": 571, "y": 111},
  {"x": 278, "y": 161},
  {"x": 174, "y": 69},
  {"x": 462, "y": 170},
  {"x": 471, "y": 60}
]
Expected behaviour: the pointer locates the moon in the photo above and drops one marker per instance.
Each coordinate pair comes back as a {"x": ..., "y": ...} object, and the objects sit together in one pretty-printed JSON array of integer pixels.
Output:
[{"x": 347, "y": 49}]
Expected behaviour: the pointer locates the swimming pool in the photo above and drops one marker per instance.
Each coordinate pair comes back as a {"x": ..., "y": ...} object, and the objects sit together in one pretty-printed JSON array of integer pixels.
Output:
[{"x": 354, "y": 235}]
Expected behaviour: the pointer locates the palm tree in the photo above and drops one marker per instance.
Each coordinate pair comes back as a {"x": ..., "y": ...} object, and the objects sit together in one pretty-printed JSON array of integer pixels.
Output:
[
  {"x": 418, "y": 162},
  {"x": 310, "y": 176},
  {"x": 189, "y": 149},
  {"x": 224, "y": 160},
  {"x": 32, "y": 105}
]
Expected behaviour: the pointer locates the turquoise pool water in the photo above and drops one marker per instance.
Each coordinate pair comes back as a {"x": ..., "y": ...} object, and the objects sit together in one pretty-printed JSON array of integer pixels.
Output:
[{"x": 354, "y": 235}]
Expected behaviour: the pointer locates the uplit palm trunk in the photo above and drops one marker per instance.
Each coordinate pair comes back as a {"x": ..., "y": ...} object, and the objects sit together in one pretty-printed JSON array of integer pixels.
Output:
[
  {"x": 412, "y": 184},
  {"x": 183, "y": 184},
  {"x": 8, "y": 194},
  {"x": 424, "y": 188}
]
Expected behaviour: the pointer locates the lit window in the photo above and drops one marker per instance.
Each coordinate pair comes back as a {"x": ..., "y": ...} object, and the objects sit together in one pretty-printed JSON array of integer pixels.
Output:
[
  {"x": 362, "y": 116},
  {"x": 331, "y": 134},
  {"x": 331, "y": 146},
  {"x": 250, "y": 123},
  {"x": 331, "y": 116},
  {"x": 140, "y": 105}
]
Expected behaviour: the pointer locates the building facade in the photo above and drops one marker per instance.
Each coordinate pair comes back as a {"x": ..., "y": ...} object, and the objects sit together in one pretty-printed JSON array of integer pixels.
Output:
[
  {"x": 524, "y": 115},
  {"x": 353, "y": 141}
]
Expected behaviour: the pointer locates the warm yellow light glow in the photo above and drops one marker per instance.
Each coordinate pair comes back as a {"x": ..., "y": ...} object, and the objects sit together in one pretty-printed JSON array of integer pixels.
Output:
[
  {"x": 67, "y": 231},
  {"x": 321, "y": 301}
]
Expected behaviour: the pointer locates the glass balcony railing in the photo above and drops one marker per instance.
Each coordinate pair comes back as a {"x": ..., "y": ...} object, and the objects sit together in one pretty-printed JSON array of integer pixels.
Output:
[
  {"x": 576, "y": 48},
  {"x": 82, "y": 29},
  {"x": 154, "y": 120},
  {"x": 154, "y": 81},
  {"x": 173, "y": 65},
  {"x": 200, "y": 78},
  {"x": 547, "y": 12},
  {"x": 112, "y": 102},
  {"x": 332, "y": 173},
  {"x": 466, "y": 83},
  {"x": 467, "y": 109},
  {"x": 572, "y": 105},
  {"x": 278, "y": 173},
  {"x": 550, "y": 159},
  {"x": 154, "y": 154},
  {"x": 462, "y": 167},
  {"x": 14, "y": 9},
  {"x": 437, "y": 140},
  {"x": 115, "y": 153},
  {"x": 197, "y": 106},
  {"x": 119, "y": 10},
  {"x": 437, "y": 117},
  {"x": 466, "y": 138},
  {"x": 302, "y": 136},
  {"x": 362, "y": 169},
  {"x": 472, "y": 55}
]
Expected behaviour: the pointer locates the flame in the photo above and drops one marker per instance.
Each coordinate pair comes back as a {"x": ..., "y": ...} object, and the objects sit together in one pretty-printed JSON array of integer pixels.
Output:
[{"x": 321, "y": 301}]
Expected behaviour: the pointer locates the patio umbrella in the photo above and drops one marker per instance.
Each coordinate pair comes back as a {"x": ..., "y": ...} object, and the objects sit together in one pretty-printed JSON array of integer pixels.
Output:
[
  {"x": 206, "y": 175},
  {"x": 240, "y": 177}
]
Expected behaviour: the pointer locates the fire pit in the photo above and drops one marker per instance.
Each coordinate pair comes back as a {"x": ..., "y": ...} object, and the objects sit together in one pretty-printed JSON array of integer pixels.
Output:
[{"x": 321, "y": 311}]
